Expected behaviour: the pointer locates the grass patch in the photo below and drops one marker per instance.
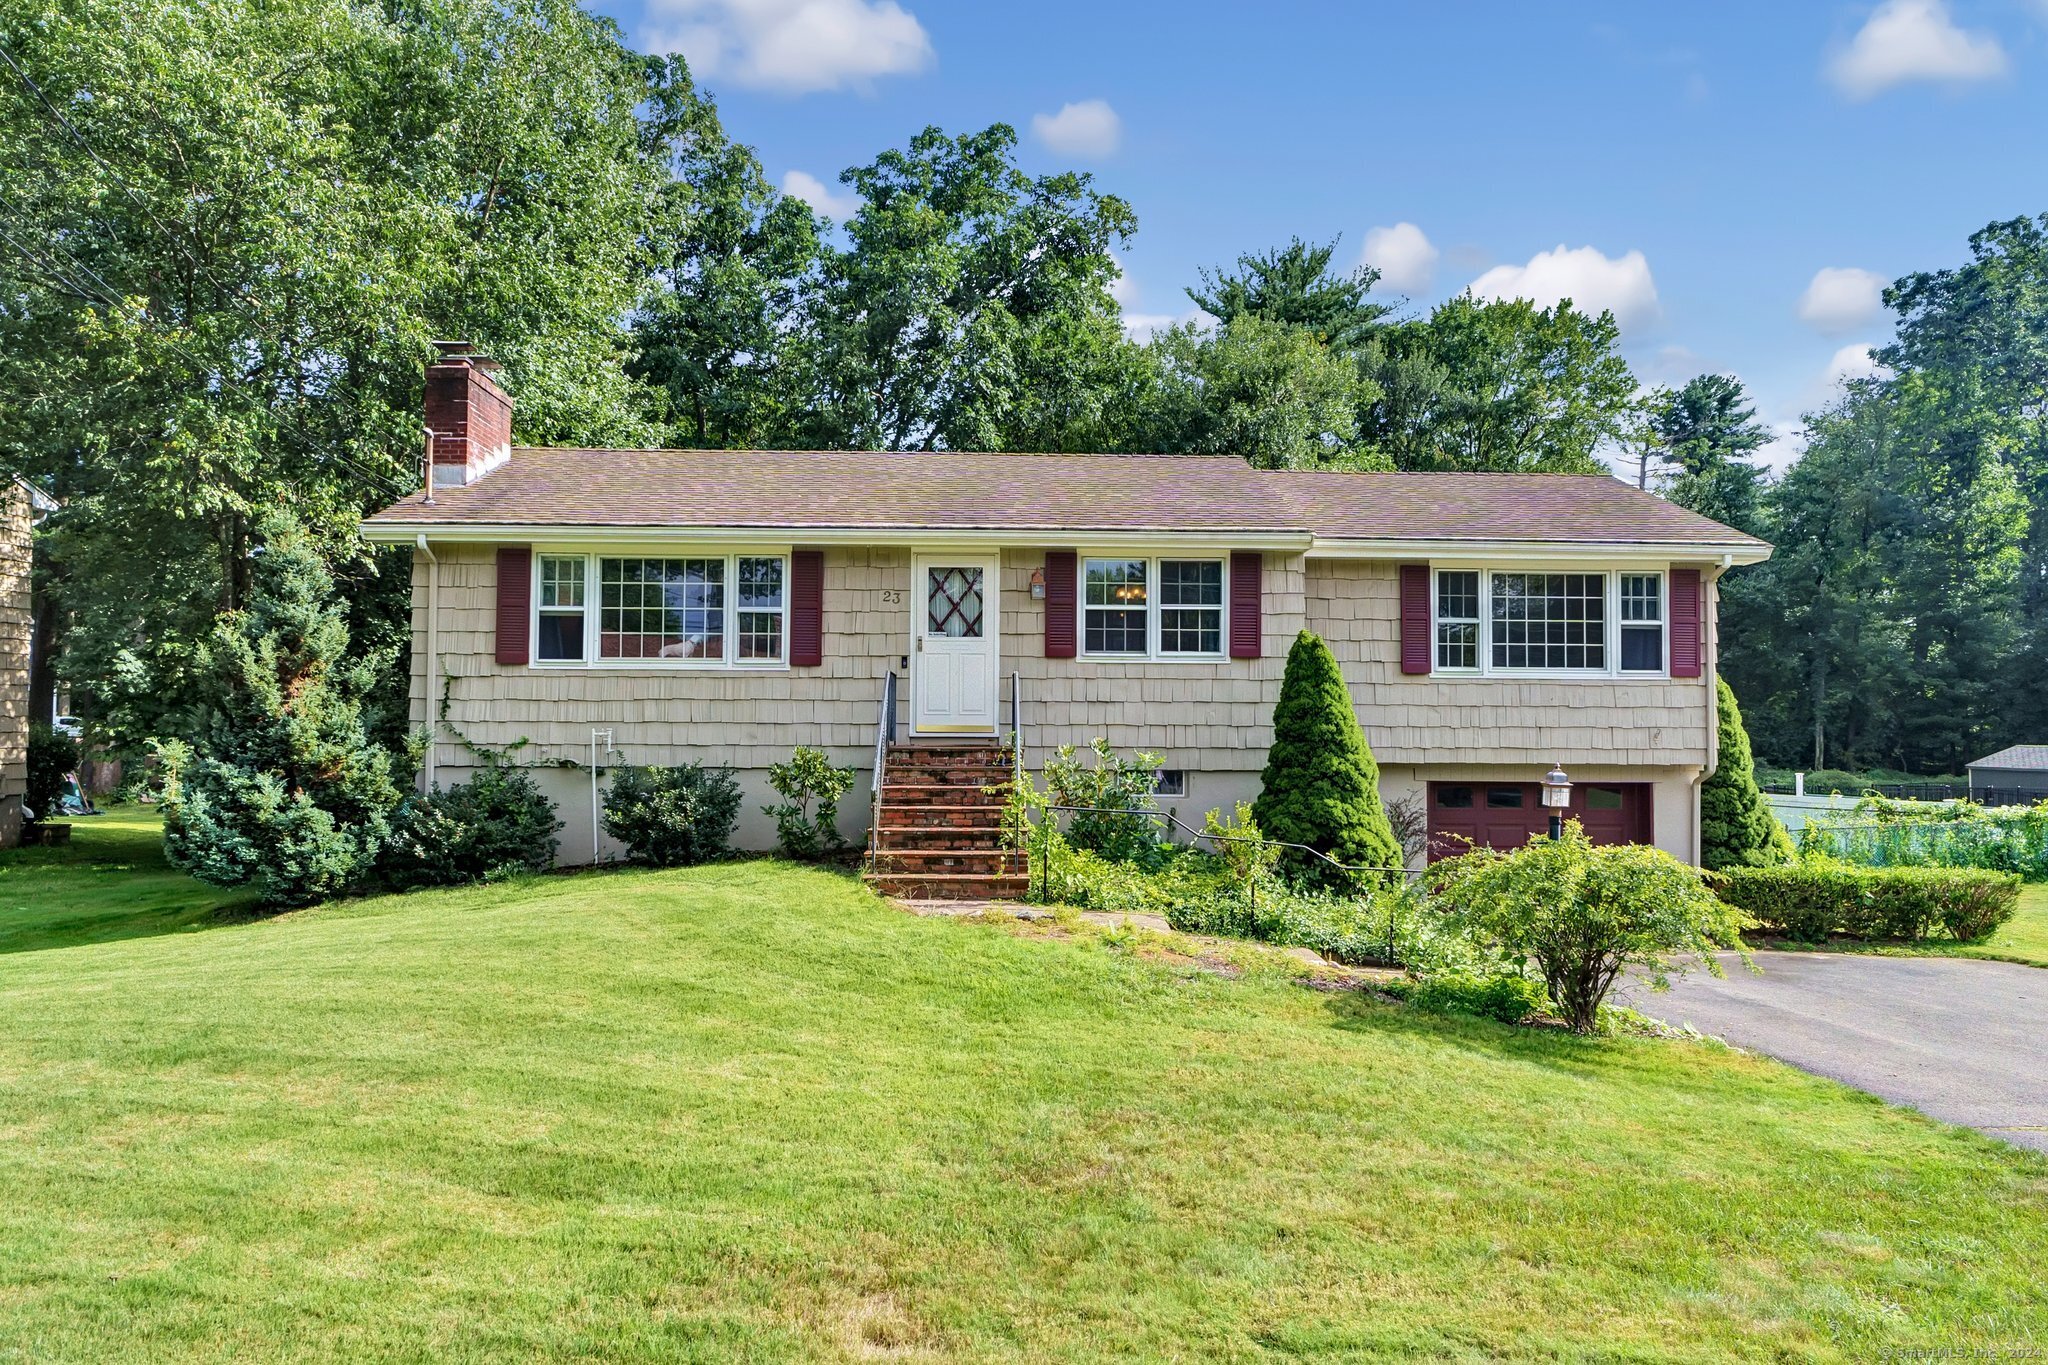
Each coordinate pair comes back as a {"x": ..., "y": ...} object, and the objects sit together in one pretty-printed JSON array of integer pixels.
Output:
[
  {"x": 109, "y": 882},
  {"x": 749, "y": 1111}
]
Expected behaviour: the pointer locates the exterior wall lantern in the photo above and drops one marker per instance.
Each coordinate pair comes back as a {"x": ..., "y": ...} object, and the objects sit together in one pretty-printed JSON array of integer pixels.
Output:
[
  {"x": 1557, "y": 795},
  {"x": 1038, "y": 584}
]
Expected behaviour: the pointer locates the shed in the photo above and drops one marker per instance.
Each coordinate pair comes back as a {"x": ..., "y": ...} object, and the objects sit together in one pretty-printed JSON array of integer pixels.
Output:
[{"x": 2022, "y": 768}]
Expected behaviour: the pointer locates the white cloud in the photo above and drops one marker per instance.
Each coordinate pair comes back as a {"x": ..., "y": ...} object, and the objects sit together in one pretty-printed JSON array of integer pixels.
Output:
[
  {"x": 1913, "y": 40},
  {"x": 1782, "y": 451},
  {"x": 1141, "y": 326},
  {"x": 1593, "y": 282},
  {"x": 791, "y": 46},
  {"x": 820, "y": 196},
  {"x": 1853, "y": 361},
  {"x": 1405, "y": 258},
  {"x": 1123, "y": 289},
  {"x": 1086, "y": 128},
  {"x": 1841, "y": 299}
]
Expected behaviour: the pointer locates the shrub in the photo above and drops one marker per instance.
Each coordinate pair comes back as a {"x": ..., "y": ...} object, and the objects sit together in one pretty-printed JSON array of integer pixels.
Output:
[
  {"x": 1811, "y": 900},
  {"x": 1509, "y": 997},
  {"x": 1583, "y": 913},
  {"x": 1321, "y": 787},
  {"x": 52, "y": 756},
  {"x": 1238, "y": 842},
  {"x": 496, "y": 825},
  {"x": 283, "y": 790},
  {"x": 1120, "y": 788},
  {"x": 1737, "y": 828},
  {"x": 807, "y": 820},
  {"x": 673, "y": 817}
]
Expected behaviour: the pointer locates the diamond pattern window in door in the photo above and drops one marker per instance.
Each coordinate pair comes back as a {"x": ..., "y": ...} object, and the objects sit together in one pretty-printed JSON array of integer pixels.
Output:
[{"x": 953, "y": 603}]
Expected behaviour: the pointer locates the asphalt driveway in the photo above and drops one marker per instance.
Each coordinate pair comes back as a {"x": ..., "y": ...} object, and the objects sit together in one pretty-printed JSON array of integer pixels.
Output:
[{"x": 1955, "y": 1038}]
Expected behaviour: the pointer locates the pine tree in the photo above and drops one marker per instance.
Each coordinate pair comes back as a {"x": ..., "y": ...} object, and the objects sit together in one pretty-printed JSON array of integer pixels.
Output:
[
  {"x": 1321, "y": 785},
  {"x": 1737, "y": 828},
  {"x": 285, "y": 791}
]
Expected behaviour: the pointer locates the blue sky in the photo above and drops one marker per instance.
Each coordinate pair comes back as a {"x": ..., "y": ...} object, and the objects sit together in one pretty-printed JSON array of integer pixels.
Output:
[{"x": 1696, "y": 167}]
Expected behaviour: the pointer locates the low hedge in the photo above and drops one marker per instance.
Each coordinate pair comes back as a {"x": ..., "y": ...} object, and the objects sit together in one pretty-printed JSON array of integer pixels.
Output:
[{"x": 1811, "y": 900}]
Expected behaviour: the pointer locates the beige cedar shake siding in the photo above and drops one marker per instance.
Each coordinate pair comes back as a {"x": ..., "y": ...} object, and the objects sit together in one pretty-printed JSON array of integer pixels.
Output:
[
  {"x": 1427, "y": 727},
  {"x": 14, "y": 641},
  {"x": 1211, "y": 719},
  {"x": 746, "y": 718}
]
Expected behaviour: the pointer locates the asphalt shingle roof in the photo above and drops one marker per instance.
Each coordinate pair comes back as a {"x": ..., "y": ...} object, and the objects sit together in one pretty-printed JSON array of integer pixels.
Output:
[
  {"x": 2018, "y": 756},
  {"x": 561, "y": 487}
]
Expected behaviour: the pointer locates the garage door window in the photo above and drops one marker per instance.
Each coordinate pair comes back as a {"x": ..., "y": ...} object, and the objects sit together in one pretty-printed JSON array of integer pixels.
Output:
[
  {"x": 1504, "y": 798},
  {"x": 1454, "y": 798}
]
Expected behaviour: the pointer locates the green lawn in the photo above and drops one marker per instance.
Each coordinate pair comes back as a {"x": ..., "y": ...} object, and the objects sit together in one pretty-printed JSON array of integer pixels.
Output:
[
  {"x": 2024, "y": 937},
  {"x": 750, "y": 1112}
]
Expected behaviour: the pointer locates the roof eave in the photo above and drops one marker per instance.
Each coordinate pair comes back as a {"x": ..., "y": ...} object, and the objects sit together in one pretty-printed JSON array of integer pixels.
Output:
[
  {"x": 1496, "y": 549},
  {"x": 399, "y": 532}
]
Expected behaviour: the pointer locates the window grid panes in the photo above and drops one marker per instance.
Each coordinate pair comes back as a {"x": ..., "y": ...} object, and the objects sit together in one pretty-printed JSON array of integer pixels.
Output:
[
  {"x": 559, "y": 636},
  {"x": 1457, "y": 619},
  {"x": 1116, "y": 606},
  {"x": 759, "y": 628},
  {"x": 1642, "y": 622},
  {"x": 1190, "y": 606},
  {"x": 661, "y": 609},
  {"x": 953, "y": 602},
  {"x": 1549, "y": 621}
]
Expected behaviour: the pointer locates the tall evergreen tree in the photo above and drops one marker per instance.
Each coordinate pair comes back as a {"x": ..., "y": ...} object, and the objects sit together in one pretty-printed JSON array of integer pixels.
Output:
[
  {"x": 1294, "y": 285},
  {"x": 1706, "y": 433},
  {"x": 284, "y": 790},
  {"x": 1321, "y": 787},
  {"x": 1737, "y": 828}
]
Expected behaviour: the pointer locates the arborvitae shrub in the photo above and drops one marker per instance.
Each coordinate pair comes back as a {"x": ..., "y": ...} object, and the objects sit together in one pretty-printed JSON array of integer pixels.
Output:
[
  {"x": 1737, "y": 828},
  {"x": 1321, "y": 785}
]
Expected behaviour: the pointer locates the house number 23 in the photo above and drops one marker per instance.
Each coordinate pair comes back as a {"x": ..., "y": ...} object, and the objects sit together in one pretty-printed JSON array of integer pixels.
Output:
[{"x": 892, "y": 596}]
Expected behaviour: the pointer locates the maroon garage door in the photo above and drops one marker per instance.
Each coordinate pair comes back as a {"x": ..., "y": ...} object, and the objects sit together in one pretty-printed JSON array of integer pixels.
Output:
[{"x": 1509, "y": 814}]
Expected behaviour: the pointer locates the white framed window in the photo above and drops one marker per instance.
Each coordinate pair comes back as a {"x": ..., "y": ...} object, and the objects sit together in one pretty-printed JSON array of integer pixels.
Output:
[
  {"x": 1457, "y": 619},
  {"x": 1642, "y": 623},
  {"x": 661, "y": 610},
  {"x": 1547, "y": 622},
  {"x": 1515, "y": 622},
  {"x": 1171, "y": 782},
  {"x": 559, "y": 626},
  {"x": 1138, "y": 608}
]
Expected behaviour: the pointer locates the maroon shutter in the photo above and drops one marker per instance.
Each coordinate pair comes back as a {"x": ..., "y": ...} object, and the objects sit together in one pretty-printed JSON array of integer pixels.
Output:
[
  {"x": 515, "y": 600},
  {"x": 1246, "y": 583},
  {"x": 1415, "y": 641},
  {"x": 1059, "y": 604},
  {"x": 806, "y": 608},
  {"x": 1685, "y": 623}
]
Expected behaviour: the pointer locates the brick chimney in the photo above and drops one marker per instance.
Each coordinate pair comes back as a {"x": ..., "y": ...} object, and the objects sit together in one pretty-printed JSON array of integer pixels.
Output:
[{"x": 468, "y": 414}]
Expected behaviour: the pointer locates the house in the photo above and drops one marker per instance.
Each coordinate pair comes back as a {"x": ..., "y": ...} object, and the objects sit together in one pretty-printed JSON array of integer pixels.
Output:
[
  {"x": 19, "y": 505},
  {"x": 2016, "y": 774},
  {"x": 729, "y": 605}
]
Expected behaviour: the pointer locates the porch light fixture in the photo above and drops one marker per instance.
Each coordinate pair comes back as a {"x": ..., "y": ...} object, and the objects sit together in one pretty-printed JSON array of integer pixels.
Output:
[
  {"x": 1038, "y": 584},
  {"x": 1557, "y": 795}
]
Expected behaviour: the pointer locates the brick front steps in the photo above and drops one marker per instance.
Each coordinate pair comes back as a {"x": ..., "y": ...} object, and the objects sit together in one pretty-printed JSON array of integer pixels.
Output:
[{"x": 938, "y": 832}]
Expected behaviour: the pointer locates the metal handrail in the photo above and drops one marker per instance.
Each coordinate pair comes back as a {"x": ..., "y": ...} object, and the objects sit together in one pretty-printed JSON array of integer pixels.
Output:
[
  {"x": 885, "y": 734},
  {"x": 1016, "y": 727}
]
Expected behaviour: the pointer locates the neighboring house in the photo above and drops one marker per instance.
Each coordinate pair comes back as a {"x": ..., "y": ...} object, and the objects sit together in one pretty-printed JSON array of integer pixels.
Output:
[
  {"x": 730, "y": 605},
  {"x": 2021, "y": 770},
  {"x": 19, "y": 506}
]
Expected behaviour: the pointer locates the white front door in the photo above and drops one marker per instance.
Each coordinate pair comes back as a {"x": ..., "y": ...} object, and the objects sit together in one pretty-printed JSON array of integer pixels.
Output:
[{"x": 956, "y": 634}]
